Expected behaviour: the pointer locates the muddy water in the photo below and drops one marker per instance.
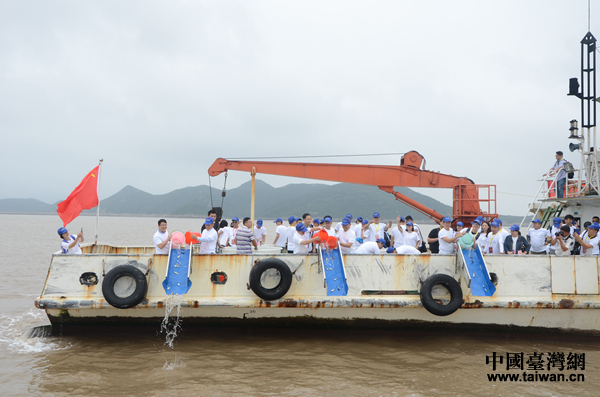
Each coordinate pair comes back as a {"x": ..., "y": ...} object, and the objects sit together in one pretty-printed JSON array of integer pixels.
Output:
[{"x": 307, "y": 363}]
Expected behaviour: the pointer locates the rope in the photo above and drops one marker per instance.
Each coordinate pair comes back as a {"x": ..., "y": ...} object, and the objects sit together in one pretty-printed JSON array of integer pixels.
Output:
[
  {"x": 223, "y": 193},
  {"x": 311, "y": 157},
  {"x": 515, "y": 194},
  {"x": 210, "y": 187}
]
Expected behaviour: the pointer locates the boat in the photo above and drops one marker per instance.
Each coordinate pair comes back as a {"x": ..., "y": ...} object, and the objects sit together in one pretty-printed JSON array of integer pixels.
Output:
[{"x": 126, "y": 287}]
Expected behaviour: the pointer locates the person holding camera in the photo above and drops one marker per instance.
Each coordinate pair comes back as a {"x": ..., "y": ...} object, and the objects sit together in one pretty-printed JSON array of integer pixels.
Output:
[
  {"x": 564, "y": 241},
  {"x": 589, "y": 240}
]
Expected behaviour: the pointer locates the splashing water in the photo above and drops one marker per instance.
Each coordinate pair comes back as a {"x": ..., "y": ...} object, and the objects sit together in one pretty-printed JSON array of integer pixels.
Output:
[
  {"x": 16, "y": 335},
  {"x": 169, "y": 327},
  {"x": 177, "y": 363}
]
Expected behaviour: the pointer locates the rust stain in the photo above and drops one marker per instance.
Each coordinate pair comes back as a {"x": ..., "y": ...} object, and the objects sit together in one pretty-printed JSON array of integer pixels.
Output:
[
  {"x": 196, "y": 303},
  {"x": 531, "y": 322},
  {"x": 267, "y": 304},
  {"x": 372, "y": 305},
  {"x": 539, "y": 305},
  {"x": 318, "y": 305},
  {"x": 566, "y": 304},
  {"x": 516, "y": 305},
  {"x": 473, "y": 305},
  {"x": 288, "y": 303},
  {"x": 160, "y": 304}
]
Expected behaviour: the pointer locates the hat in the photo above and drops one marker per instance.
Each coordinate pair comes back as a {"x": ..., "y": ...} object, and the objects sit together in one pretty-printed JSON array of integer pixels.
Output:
[
  {"x": 365, "y": 222},
  {"x": 62, "y": 231},
  {"x": 409, "y": 223},
  {"x": 515, "y": 228},
  {"x": 459, "y": 223},
  {"x": 259, "y": 222},
  {"x": 277, "y": 220},
  {"x": 402, "y": 219},
  {"x": 557, "y": 221},
  {"x": 235, "y": 219},
  {"x": 390, "y": 250},
  {"x": 298, "y": 219},
  {"x": 380, "y": 240},
  {"x": 376, "y": 215},
  {"x": 327, "y": 219},
  {"x": 360, "y": 240},
  {"x": 536, "y": 220},
  {"x": 292, "y": 219},
  {"x": 345, "y": 221},
  {"x": 316, "y": 221},
  {"x": 446, "y": 219},
  {"x": 498, "y": 220},
  {"x": 359, "y": 219},
  {"x": 209, "y": 221},
  {"x": 495, "y": 224},
  {"x": 477, "y": 221},
  {"x": 301, "y": 228},
  {"x": 594, "y": 226},
  {"x": 479, "y": 218},
  {"x": 349, "y": 216}
]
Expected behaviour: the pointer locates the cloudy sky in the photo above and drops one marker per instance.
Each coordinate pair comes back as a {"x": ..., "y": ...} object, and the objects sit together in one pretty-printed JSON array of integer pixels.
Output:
[{"x": 162, "y": 89}]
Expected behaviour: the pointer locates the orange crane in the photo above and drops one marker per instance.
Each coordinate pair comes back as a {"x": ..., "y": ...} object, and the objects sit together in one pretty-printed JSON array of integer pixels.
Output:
[{"x": 469, "y": 200}]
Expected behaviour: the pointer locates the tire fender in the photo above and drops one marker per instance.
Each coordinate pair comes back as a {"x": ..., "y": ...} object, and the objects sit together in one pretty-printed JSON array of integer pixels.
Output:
[
  {"x": 280, "y": 289},
  {"x": 456, "y": 295},
  {"x": 108, "y": 286}
]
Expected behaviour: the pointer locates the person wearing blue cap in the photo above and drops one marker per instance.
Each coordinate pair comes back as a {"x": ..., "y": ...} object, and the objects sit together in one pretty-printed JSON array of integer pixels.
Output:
[
  {"x": 280, "y": 234},
  {"x": 302, "y": 244},
  {"x": 371, "y": 247},
  {"x": 422, "y": 248},
  {"x": 208, "y": 238},
  {"x": 338, "y": 226},
  {"x": 590, "y": 242},
  {"x": 411, "y": 238},
  {"x": 447, "y": 237},
  {"x": 235, "y": 226},
  {"x": 539, "y": 238},
  {"x": 496, "y": 246},
  {"x": 503, "y": 233},
  {"x": 70, "y": 243},
  {"x": 260, "y": 232},
  {"x": 162, "y": 238},
  {"x": 376, "y": 229},
  {"x": 327, "y": 225},
  {"x": 291, "y": 231},
  {"x": 516, "y": 244},
  {"x": 347, "y": 237},
  {"x": 557, "y": 223}
]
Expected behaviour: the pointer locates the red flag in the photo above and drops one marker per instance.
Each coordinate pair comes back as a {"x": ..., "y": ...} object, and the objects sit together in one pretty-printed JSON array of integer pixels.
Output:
[{"x": 84, "y": 197}]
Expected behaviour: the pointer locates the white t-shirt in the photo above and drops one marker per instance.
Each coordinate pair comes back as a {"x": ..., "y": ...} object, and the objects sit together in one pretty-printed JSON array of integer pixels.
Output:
[
  {"x": 376, "y": 231},
  {"x": 159, "y": 238},
  {"x": 446, "y": 248},
  {"x": 407, "y": 250},
  {"x": 226, "y": 235},
  {"x": 282, "y": 238},
  {"x": 398, "y": 236},
  {"x": 483, "y": 241},
  {"x": 208, "y": 241},
  {"x": 411, "y": 239},
  {"x": 232, "y": 236},
  {"x": 338, "y": 227},
  {"x": 356, "y": 229},
  {"x": 591, "y": 240},
  {"x": 570, "y": 241},
  {"x": 496, "y": 244},
  {"x": 300, "y": 248},
  {"x": 331, "y": 232},
  {"x": 505, "y": 234},
  {"x": 259, "y": 233},
  {"x": 76, "y": 248},
  {"x": 291, "y": 231},
  {"x": 537, "y": 237},
  {"x": 370, "y": 247},
  {"x": 552, "y": 234},
  {"x": 347, "y": 237}
]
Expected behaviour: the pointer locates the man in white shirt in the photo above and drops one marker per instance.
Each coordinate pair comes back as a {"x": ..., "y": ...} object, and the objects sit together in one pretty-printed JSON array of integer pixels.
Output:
[
  {"x": 539, "y": 238},
  {"x": 327, "y": 225},
  {"x": 208, "y": 238},
  {"x": 302, "y": 244},
  {"x": 447, "y": 237},
  {"x": 564, "y": 241},
  {"x": 496, "y": 246},
  {"x": 561, "y": 178},
  {"x": 375, "y": 228},
  {"x": 503, "y": 232},
  {"x": 589, "y": 242},
  {"x": 280, "y": 234},
  {"x": 338, "y": 226},
  {"x": 70, "y": 243},
  {"x": 162, "y": 238},
  {"x": 260, "y": 232},
  {"x": 404, "y": 250},
  {"x": 397, "y": 233},
  {"x": 371, "y": 247},
  {"x": 555, "y": 229},
  {"x": 291, "y": 231},
  {"x": 346, "y": 237}
]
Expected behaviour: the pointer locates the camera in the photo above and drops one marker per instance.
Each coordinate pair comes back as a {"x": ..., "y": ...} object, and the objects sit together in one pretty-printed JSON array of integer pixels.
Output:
[{"x": 561, "y": 233}]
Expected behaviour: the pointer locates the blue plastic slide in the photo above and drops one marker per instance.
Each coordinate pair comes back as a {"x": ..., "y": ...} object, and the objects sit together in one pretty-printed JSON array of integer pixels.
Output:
[
  {"x": 334, "y": 272},
  {"x": 480, "y": 282},
  {"x": 178, "y": 272}
]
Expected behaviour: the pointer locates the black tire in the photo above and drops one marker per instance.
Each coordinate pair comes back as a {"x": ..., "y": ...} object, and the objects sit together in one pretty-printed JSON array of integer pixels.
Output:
[
  {"x": 280, "y": 289},
  {"x": 456, "y": 295},
  {"x": 108, "y": 286}
]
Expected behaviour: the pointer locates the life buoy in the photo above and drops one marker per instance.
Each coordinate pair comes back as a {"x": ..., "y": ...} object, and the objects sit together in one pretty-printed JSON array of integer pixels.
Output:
[
  {"x": 138, "y": 291},
  {"x": 282, "y": 287},
  {"x": 433, "y": 307}
]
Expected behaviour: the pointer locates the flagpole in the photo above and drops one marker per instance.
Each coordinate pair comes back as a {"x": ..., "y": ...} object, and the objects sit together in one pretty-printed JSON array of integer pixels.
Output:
[{"x": 98, "y": 209}]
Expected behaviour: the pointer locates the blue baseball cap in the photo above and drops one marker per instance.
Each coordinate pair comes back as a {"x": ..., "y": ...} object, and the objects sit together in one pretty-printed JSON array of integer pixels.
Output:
[
  {"x": 446, "y": 219},
  {"x": 536, "y": 220},
  {"x": 498, "y": 220},
  {"x": 316, "y": 221},
  {"x": 380, "y": 240},
  {"x": 359, "y": 219},
  {"x": 277, "y": 220},
  {"x": 557, "y": 221},
  {"x": 390, "y": 250},
  {"x": 62, "y": 231},
  {"x": 594, "y": 226},
  {"x": 477, "y": 221},
  {"x": 235, "y": 219},
  {"x": 402, "y": 219},
  {"x": 365, "y": 222},
  {"x": 292, "y": 219},
  {"x": 209, "y": 221},
  {"x": 259, "y": 222},
  {"x": 327, "y": 219},
  {"x": 515, "y": 228},
  {"x": 495, "y": 224},
  {"x": 459, "y": 223},
  {"x": 349, "y": 216},
  {"x": 479, "y": 218},
  {"x": 301, "y": 228},
  {"x": 409, "y": 223},
  {"x": 346, "y": 221},
  {"x": 376, "y": 215}
]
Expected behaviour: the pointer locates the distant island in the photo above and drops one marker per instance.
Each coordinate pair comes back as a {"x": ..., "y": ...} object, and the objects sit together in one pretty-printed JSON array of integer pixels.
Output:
[{"x": 294, "y": 199}]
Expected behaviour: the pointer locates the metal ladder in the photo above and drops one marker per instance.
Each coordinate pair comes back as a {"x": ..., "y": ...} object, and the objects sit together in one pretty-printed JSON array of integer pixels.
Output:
[{"x": 542, "y": 193}]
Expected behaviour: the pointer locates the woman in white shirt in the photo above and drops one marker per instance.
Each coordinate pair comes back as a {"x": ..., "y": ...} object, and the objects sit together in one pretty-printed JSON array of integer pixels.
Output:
[
  {"x": 483, "y": 239},
  {"x": 411, "y": 238}
]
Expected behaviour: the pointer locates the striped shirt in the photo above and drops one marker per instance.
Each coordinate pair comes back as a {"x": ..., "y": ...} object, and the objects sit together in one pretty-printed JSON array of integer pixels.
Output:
[{"x": 244, "y": 238}]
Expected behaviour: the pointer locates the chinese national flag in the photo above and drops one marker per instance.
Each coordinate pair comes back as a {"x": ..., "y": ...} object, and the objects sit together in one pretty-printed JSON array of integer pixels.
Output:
[{"x": 84, "y": 197}]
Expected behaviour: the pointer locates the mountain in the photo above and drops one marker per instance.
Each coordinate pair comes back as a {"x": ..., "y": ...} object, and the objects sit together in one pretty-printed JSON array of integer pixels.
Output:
[{"x": 294, "y": 199}]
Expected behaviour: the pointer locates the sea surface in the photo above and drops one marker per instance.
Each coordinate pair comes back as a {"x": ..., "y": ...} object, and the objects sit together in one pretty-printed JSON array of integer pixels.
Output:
[{"x": 290, "y": 363}]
